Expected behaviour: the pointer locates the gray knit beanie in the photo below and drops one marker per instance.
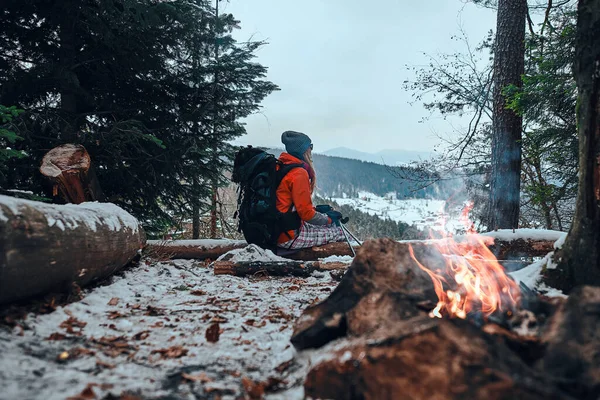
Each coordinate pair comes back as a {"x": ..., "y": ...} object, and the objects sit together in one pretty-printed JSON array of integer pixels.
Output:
[{"x": 296, "y": 143}]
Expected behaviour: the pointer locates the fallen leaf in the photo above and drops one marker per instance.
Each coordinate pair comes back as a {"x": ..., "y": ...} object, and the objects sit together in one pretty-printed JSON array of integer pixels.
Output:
[
  {"x": 114, "y": 314},
  {"x": 114, "y": 301},
  {"x": 255, "y": 390},
  {"x": 198, "y": 292},
  {"x": 171, "y": 352},
  {"x": 284, "y": 366},
  {"x": 86, "y": 394},
  {"x": 201, "y": 377},
  {"x": 56, "y": 336},
  {"x": 154, "y": 311},
  {"x": 80, "y": 351},
  {"x": 213, "y": 332},
  {"x": 141, "y": 335},
  {"x": 63, "y": 356},
  {"x": 235, "y": 374},
  {"x": 252, "y": 322},
  {"x": 71, "y": 323},
  {"x": 104, "y": 364}
]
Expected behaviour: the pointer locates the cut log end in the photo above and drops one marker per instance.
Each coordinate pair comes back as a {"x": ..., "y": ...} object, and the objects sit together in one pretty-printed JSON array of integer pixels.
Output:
[{"x": 67, "y": 158}]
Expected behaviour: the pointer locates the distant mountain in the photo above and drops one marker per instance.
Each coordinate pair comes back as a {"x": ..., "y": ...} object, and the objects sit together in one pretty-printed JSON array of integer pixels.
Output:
[{"x": 387, "y": 157}]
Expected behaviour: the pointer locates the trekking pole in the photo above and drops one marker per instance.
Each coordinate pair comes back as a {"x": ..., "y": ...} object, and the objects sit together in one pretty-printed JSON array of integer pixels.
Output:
[
  {"x": 348, "y": 240},
  {"x": 351, "y": 235}
]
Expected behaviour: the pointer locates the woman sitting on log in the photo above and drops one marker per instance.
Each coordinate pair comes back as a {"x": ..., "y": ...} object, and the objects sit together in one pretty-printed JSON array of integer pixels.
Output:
[{"x": 294, "y": 194}]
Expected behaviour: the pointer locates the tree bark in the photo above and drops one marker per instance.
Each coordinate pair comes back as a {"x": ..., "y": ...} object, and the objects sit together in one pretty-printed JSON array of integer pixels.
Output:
[
  {"x": 509, "y": 55},
  {"x": 580, "y": 260},
  {"x": 69, "y": 169},
  {"x": 47, "y": 247}
]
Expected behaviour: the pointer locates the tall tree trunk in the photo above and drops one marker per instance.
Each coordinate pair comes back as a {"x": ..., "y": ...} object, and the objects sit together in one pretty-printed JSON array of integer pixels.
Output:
[
  {"x": 215, "y": 186},
  {"x": 580, "y": 259},
  {"x": 68, "y": 79},
  {"x": 509, "y": 54},
  {"x": 195, "y": 211}
]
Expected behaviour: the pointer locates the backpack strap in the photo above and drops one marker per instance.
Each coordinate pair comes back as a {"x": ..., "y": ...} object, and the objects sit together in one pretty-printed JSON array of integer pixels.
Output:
[
  {"x": 283, "y": 171},
  {"x": 289, "y": 220}
]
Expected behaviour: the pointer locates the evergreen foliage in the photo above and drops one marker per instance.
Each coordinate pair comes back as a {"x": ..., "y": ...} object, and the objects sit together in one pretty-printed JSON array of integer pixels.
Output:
[
  {"x": 138, "y": 84},
  {"x": 8, "y": 138}
]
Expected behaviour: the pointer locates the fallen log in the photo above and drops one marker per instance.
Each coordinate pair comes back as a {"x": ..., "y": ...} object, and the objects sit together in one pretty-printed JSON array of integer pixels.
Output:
[
  {"x": 214, "y": 248},
  {"x": 274, "y": 268},
  {"x": 202, "y": 249},
  {"x": 69, "y": 169},
  {"x": 47, "y": 247}
]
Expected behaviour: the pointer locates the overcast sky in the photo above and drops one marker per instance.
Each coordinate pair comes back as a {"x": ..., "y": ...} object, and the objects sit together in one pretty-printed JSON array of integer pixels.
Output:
[{"x": 340, "y": 65}]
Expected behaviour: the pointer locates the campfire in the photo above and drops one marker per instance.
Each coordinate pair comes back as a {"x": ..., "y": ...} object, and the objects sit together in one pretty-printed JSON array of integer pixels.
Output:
[
  {"x": 471, "y": 280},
  {"x": 441, "y": 319}
]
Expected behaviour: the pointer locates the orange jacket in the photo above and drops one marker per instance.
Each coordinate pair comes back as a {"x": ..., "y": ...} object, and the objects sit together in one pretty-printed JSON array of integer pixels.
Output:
[{"x": 294, "y": 189}]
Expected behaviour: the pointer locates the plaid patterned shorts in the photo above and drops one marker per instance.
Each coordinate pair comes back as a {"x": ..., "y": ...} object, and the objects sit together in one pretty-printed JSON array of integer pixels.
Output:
[{"x": 314, "y": 235}]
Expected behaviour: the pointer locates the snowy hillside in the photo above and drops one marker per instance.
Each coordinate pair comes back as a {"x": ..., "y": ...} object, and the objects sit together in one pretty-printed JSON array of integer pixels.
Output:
[{"x": 424, "y": 213}]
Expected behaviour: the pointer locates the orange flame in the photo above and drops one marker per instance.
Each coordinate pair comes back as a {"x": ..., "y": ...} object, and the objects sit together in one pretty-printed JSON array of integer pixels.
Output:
[{"x": 477, "y": 281}]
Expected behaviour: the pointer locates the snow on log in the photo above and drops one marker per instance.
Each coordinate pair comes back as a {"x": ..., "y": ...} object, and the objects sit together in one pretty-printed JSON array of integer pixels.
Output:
[
  {"x": 46, "y": 247},
  {"x": 69, "y": 168}
]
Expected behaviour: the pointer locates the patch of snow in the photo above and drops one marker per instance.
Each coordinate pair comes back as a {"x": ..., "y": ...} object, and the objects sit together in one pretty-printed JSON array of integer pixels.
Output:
[
  {"x": 550, "y": 292},
  {"x": 560, "y": 242},
  {"x": 71, "y": 216},
  {"x": 532, "y": 234},
  {"x": 163, "y": 305},
  {"x": 531, "y": 276},
  {"x": 19, "y": 191},
  {"x": 251, "y": 253},
  {"x": 341, "y": 259}
]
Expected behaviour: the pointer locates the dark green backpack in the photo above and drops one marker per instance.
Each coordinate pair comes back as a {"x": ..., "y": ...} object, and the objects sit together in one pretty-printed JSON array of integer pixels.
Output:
[{"x": 256, "y": 173}]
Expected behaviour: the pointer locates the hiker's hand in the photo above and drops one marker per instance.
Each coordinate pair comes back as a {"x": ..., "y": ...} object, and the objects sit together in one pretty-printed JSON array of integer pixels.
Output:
[
  {"x": 323, "y": 208},
  {"x": 335, "y": 216}
]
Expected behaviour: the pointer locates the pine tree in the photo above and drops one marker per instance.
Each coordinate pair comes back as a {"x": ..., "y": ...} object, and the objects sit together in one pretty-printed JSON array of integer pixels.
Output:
[{"x": 133, "y": 82}]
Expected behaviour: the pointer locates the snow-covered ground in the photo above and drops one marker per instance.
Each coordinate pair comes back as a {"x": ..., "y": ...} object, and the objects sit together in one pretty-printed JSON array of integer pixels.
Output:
[
  {"x": 173, "y": 329},
  {"x": 423, "y": 213},
  {"x": 146, "y": 333}
]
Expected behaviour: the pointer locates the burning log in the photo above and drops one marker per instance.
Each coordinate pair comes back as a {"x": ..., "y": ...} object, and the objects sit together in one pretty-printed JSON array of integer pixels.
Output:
[
  {"x": 69, "y": 168},
  {"x": 391, "y": 343},
  {"x": 273, "y": 268},
  {"x": 46, "y": 247}
]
